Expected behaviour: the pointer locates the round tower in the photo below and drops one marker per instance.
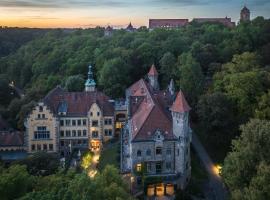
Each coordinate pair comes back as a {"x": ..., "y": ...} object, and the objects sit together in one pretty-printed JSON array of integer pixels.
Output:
[{"x": 153, "y": 77}]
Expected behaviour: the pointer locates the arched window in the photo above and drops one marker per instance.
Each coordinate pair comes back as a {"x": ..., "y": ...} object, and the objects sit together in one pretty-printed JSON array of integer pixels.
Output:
[
  {"x": 148, "y": 152},
  {"x": 139, "y": 153}
]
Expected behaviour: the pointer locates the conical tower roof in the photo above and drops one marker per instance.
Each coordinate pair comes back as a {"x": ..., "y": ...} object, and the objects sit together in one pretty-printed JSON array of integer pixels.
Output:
[
  {"x": 180, "y": 104},
  {"x": 153, "y": 71}
]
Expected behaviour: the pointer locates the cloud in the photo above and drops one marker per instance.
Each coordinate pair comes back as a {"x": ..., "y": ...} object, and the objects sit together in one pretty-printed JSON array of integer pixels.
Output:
[{"x": 62, "y": 3}]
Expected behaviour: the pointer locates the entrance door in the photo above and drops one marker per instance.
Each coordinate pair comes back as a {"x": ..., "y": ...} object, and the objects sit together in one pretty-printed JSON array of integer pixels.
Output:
[
  {"x": 160, "y": 189},
  {"x": 95, "y": 145}
]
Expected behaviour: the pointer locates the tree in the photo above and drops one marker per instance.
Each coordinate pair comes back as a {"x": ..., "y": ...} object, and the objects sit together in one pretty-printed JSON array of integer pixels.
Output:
[
  {"x": 107, "y": 185},
  {"x": 75, "y": 83},
  {"x": 114, "y": 77},
  {"x": 216, "y": 115},
  {"x": 246, "y": 166},
  {"x": 15, "y": 182},
  {"x": 263, "y": 109},
  {"x": 168, "y": 67},
  {"x": 41, "y": 163},
  {"x": 191, "y": 77},
  {"x": 243, "y": 80}
]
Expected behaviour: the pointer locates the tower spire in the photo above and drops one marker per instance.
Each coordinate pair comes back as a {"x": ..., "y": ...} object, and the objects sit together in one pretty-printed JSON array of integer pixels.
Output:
[{"x": 90, "y": 84}]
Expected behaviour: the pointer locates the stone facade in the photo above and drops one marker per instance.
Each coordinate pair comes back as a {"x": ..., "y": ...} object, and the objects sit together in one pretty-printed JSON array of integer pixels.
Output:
[{"x": 156, "y": 139}]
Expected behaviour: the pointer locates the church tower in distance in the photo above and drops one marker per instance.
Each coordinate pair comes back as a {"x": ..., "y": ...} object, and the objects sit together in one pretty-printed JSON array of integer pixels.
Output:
[{"x": 245, "y": 15}]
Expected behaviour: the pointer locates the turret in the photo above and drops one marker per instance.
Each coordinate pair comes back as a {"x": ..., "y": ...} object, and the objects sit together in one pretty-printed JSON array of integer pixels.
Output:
[
  {"x": 171, "y": 88},
  {"x": 153, "y": 77},
  {"x": 180, "y": 112},
  {"x": 90, "y": 84},
  {"x": 245, "y": 15}
]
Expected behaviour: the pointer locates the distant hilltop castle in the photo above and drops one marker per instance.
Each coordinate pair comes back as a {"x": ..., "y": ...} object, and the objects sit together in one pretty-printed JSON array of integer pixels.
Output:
[{"x": 178, "y": 23}]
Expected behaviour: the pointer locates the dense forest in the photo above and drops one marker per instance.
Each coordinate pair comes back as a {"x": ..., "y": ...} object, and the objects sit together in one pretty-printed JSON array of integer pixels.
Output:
[{"x": 224, "y": 73}]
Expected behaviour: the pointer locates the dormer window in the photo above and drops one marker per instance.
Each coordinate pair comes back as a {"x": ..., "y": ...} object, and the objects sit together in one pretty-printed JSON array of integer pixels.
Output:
[
  {"x": 98, "y": 113},
  {"x": 40, "y": 109},
  {"x": 91, "y": 114}
]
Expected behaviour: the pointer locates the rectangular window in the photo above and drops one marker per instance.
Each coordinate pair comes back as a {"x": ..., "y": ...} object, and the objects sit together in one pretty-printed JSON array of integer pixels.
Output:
[
  {"x": 73, "y": 122},
  {"x": 158, "y": 167},
  {"x": 41, "y": 133},
  {"x": 158, "y": 151},
  {"x": 168, "y": 165},
  {"x": 40, "y": 109},
  {"x": 38, "y": 147},
  {"x": 94, "y": 134},
  {"x": 84, "y": 132},
  {"x": 108, "y": 121},
  {"x": 168, "y": 151},
  {"x": 38, "y": 116},
  {"x": 62, "y": 133},
  {"x": 51, "y": 147},
  {"x": 62, "y": 143},
  {"x": 45, "y": 147},
  {"x": 79, "y": 122},
  {"x": 84, "y": 122},
  {"x": 67, "y": 122},
  {"x": 33, "y": 147},
  {"x": 95, "y": 123},
  {"x": 61, "y": 122},
  {"x": 139, "y": 167},
  {"x": 79, "y": 133},
  {"x": 149, "y": 167},
  {"x": 108, "y": 132},
  {"x": 43, "y": 116},
  {"x": 73, "y": 133},
  {"x": 68, "y": 133}
]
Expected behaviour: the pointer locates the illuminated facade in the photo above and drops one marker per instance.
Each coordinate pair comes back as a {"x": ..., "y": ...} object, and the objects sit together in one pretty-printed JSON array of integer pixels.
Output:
[
  {"x": 157, "y": 136},
  {"x": 64, "y": 121}
]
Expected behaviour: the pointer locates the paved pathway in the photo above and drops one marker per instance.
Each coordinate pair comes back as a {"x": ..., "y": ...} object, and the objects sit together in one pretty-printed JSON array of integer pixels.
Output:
[{"x": 217, "y": 189}]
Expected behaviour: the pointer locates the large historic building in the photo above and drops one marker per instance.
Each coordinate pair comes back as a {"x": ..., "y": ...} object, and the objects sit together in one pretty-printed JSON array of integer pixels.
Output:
[
  {"x": 63, "y": 120},
  {"x": 157, "y": 136},
  {"x": 224, "y": 21},
  {"x": 167, "y": 23}
]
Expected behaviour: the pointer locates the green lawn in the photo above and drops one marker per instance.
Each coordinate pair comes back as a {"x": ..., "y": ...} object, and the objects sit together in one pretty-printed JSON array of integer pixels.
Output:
[{"x": 109, "y": 156}]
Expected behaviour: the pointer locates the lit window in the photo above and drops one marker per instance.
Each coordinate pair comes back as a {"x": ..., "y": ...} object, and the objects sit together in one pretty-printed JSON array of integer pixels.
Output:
[{"x": 139, "y": 167}]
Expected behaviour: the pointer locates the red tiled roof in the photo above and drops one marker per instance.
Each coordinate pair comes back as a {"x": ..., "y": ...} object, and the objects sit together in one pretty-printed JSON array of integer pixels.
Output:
[
  {"x": 225, "y": 21},
  {"x": 150, "y": 113},
  {"x": 180, "y": 104},
  {"x": 155, "y": 23},
  {"x": 14, "y": 138},
  {"x": 78, "y": 103},
  {"x": 153, "y": 71}
]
